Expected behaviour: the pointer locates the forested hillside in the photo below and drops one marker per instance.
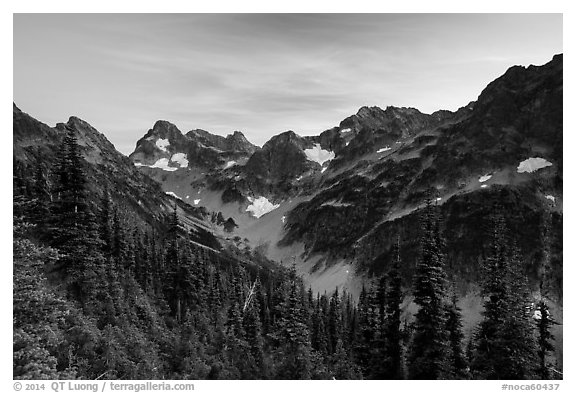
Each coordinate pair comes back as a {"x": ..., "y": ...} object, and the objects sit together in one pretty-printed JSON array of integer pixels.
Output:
[{"x": 96, "y": 297}]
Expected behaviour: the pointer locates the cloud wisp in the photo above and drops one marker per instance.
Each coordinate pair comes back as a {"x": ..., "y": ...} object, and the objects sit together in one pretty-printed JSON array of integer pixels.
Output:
[{"x": 261, "y": 73}]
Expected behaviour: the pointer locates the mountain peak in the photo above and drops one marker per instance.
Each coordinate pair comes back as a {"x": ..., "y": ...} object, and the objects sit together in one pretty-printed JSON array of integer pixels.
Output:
[
  {"x": 402, "y": 110},
  {"x": 164, "y": 126},
  {"x": 284, "y": 137},
  {"x": 76, "y": 122},
  {"x": 366, "y": 111},
  {"x": 236, "y": 134}
]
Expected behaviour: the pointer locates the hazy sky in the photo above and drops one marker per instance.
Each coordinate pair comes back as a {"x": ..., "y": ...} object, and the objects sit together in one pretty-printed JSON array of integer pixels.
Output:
[{"x": 261, "y": 74}]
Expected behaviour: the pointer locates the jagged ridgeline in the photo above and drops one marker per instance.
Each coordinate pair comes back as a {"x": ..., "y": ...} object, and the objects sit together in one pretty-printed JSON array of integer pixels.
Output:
[{"x": 395, "y": 245}]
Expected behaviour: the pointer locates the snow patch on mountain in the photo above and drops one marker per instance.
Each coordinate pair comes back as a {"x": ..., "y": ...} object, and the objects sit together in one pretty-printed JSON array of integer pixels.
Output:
[
  {"x": 384, "y": 149},
  {"x": 335, "y": 203},
  {"x": 163, "y": 164},
  {"x": 532, "y": 164},
  {"x": 172, "y": 194},
  {"x": 550, "y": 197},
  {"x": 181, "y": 159},
  {"x": 162, "y": 144},
  {"x": 484, "y": 178},
  {"x": 319, "y": 155},
  {"x": 260, "y": 206},
  {"x": 160, "y": 164},
  {"x": 197, "y": 201},
  {"x": 483, "y": 186},
  {"x": 345, "y": 130},
  {"x": 229, "y": 164}
]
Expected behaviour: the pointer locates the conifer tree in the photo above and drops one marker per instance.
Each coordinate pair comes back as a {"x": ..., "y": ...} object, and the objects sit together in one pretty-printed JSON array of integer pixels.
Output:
[
  {"x": 334, "y": 322},
  {"x": 319, "y": 335},
  {"x": 253, "y": 332},
  {"x": 457, "y": 361},
  {"x": 341, "y": 365},
  {"x": 295, "y": 357},
  {"x": 74, "y": 229},
  {"x": 393, "y": 365},
  {"x": 428, "y": 351},
  {"x": 367, "y": 323},
  {"x": 505, "y": 345},
  {"x": 544, "y": 322}
]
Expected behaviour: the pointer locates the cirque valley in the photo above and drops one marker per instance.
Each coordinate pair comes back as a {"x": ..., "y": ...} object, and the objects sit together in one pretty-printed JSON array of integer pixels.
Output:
[{"x": 396, "y": 244}]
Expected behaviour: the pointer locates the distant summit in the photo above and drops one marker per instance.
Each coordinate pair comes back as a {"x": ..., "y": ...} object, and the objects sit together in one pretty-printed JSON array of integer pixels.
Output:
[{"x": 165, "y": 147}]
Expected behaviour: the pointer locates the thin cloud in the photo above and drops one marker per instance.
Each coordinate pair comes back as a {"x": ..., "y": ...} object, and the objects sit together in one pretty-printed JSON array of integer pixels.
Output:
[{"x": 261, "y": 73}]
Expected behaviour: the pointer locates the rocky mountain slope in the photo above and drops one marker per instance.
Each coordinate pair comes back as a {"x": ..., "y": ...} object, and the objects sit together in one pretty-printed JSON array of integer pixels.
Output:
[
  {"x": 335, "y": 203},
  {"x": 142, "y": 200},
  {"x": 335, "y": 195}
]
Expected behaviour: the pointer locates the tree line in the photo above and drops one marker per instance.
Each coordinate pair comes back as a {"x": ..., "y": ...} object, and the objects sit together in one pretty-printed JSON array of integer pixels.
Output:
[{"x": 98, "y": 297}]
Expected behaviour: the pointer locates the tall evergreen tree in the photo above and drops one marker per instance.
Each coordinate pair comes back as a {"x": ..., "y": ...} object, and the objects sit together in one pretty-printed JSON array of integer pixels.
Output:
[
  {"x": 319, "y": 336},
  {"x": 295, "y": 360},
  {"x": 458, "y": 364},
  {"x": 367, "y": 331},
  {"x": 505, "y": 343},
  {"x": 74, "y": 229},
  {"x": 334, "y": 322},
  {"x": 393, "y": 364},
  {"x": 428, "y": 351},
  {"x": 253, "y": 332}
]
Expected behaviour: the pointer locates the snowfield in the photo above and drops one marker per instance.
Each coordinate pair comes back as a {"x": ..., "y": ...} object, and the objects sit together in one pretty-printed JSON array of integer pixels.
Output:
[
  {"x": 319, "y": 155},
  {"x": 260, "y": 206},
  {"x": 345, "y": 130},
  {"x": 162, "y": 144},
  {"x": 163, "y": 164},
  {"x": 384, "y": 149},
  {"x": 533, "y": 164},
  {"x": 550, "y": 197},
  {"x": 160, "y": 164},
  {"x": 484, "y": 178},
  {"x": 181, "y": 159},
  {"x": 229, "y": 164},
  {"x": 197, "y": 201}
]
